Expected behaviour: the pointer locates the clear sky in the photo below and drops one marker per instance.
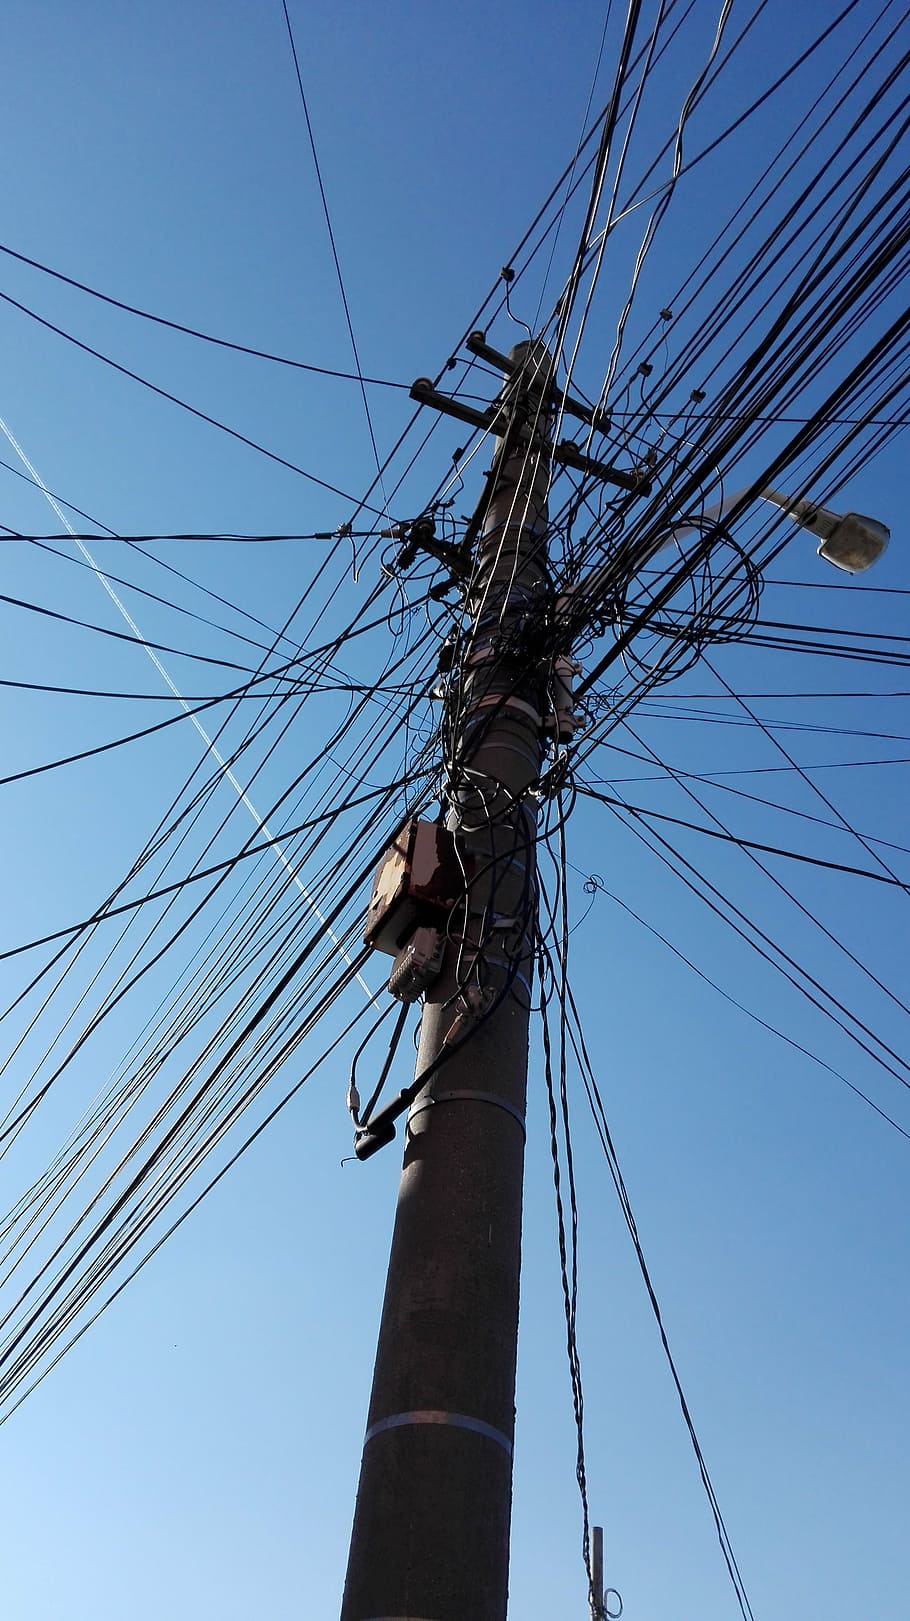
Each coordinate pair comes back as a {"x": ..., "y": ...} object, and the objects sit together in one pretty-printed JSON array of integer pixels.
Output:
[{"x": 196, "y": 1453}]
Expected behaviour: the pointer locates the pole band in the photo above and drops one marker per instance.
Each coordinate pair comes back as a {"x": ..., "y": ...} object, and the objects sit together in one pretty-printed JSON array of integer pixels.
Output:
[
  {"x": 472, "y": 1097},
  {"x": 533, "y": 529},
  {"x": 489, "y": 961},
  {"x": 501, "y": 700},
  {"x": 460, "y": 1421}
]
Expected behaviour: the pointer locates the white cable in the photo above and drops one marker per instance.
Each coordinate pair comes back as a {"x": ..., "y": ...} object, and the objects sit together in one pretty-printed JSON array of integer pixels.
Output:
[{"x": 238, "y": 787}]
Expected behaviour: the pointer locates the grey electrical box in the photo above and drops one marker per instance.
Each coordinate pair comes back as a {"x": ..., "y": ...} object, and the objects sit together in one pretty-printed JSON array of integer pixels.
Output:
[{"x": 417, "y": 964}]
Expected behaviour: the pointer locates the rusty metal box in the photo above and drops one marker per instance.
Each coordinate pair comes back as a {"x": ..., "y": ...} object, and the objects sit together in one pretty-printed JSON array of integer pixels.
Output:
[{"x": 418, "y": 881}]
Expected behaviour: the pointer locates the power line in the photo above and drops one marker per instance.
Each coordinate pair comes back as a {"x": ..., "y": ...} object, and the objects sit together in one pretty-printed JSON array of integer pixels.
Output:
[
  {"x": 749, "y": 931},
  {"x": 193, "y": 332},
  {"x": 744, "y": 844},
  {"x": 18, "y": 472},
  {"x": 342, "y": 532},
  {"x": 337, "y": 262},
  {"x": 195, "y": 877},
  {"x": 193, "y": 410},
  {"x": 593, "y": 881},
  {"x": 604, "y": 1133}
]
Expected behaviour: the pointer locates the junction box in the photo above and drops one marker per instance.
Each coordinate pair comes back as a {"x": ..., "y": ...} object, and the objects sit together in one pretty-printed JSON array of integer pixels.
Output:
[{"x": 421, "y": 877}]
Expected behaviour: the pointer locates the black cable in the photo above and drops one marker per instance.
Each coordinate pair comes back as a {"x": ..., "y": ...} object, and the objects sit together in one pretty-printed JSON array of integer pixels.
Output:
[
  {"x": 121, "y": 635},
  {"x": 569, "y": 1274},
  {"x": 202, "y": 416},
  {"x": 811, "y": 914},
  {"x": 131, "y": 737},
  {"x": 328, "y": 221},
  {"x": 594, "y": 884},
  {"x": 192, "y": 332},
  {"x": 212, "y": 1183},
  {"x": 195, "y": 877},
  {"x": 609, "y": 1148},
  {"x": 772, "y": 953},
  {"x": 362, "y": 1116},
  {"x": 17, "y": 472},
  {"x": 216, "y": 535},
  {"x": 744, "y": 844}
]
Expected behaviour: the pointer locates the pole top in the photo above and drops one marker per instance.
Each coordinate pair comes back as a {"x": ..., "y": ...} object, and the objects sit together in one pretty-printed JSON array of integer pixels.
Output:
[{"x": 533, "y": 359}]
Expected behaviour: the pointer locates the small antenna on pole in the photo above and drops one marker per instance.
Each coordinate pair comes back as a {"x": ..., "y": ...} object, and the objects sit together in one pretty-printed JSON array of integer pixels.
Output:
[
  {"x": 600, "y": 1595},
  {"x": 597, "y": 1573}
]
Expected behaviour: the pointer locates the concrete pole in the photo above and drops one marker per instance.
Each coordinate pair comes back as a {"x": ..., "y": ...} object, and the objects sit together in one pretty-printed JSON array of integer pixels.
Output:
[{"x": 431, "y": 1528}]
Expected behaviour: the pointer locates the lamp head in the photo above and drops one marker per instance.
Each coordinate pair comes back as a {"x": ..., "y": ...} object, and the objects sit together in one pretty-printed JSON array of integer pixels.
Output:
[
  {"x": 852, "y": 542},
  {"x": 855, "y": 542}
]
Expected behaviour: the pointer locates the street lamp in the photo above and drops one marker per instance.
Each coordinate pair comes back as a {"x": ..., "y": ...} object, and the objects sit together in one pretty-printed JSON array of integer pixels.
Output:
[{"x": 852, "y": 542}]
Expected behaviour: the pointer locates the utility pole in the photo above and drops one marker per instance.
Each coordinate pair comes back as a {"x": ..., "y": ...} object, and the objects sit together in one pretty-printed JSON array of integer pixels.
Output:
[{"x": 431, "y": 1527}]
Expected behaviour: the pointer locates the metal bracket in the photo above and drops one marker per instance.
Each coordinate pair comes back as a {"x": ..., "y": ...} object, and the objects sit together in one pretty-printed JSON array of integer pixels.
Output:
[
  {"x": 477, "y": 343},
  {"x": 421, "y": 537},
  {"x": 566, "y": 452}
]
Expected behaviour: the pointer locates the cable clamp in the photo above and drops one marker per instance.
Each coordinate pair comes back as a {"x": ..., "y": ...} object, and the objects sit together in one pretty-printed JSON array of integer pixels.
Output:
[{"x": 471, "y": 1005}]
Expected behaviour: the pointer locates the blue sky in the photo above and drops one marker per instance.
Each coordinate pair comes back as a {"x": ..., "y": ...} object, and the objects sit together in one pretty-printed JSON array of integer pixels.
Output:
[{"x": 196, "y": 1453}]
